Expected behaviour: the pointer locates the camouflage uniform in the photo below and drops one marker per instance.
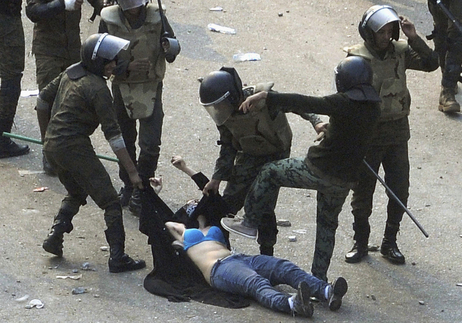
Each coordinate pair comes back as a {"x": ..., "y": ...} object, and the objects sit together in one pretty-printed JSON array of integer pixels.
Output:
[
  {"x": 330, "y": 167},
  {"x": 389, "y": 145},
  {"x": 138, "y": 96},
  {"x": 240, "y": 168},
  {"x": 12, "y": 50}
]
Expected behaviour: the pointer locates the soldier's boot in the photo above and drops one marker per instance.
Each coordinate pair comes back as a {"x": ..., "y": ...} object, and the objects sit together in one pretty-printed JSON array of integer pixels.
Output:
[
  {"x": 447, "y": 102},
  {"x": 119, "y": 261},
  {"x": 360, "y": 247},
  {"x": 389, "y": 248},
  {"x": 61, "y": 224},
  {"x": 9, "y": 94}
]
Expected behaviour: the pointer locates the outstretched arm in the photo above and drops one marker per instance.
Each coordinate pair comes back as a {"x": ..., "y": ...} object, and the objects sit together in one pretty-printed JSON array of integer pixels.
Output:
[
  {"x": 176, "y": 230},
  {"x": 179, "y": 163}
]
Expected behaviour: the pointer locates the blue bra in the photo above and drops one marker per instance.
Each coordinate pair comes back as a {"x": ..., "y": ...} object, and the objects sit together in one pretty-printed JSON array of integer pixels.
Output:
[{"x": 195, "y": 236}]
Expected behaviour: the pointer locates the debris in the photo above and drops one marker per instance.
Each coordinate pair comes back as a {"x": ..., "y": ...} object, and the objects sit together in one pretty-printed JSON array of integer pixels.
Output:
[
  {"x": 79, "y": 290},
  {"x": 77, "y": 277},
  {"x": 22, "y": 299},
  {"x": 421, "y": 302},
  {"x": 23, "y": 172},
  {"x": 373, "y": 297},
  {"x": 280, "y": 14},
  {"x": 301, "y": 231},
  {"x": 216, "y": 9},
  {"x": 26, "y": 93},
  {"x": 86, "y": 266},
  {"x": 35, "y": 303},
  {"x": 221, "y": 29},
  {"x": 292, "y": 238},
  {"x": 104, "y": 248},
  {"x": 284, "y": 223},
  {"x": 459, "y": 284},
  {"x": 242, "y": 57},
  {"x": 40, "y": 189}
]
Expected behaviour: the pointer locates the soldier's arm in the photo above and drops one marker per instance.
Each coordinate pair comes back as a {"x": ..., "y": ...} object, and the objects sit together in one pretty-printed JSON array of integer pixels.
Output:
[
  {"x": 45, "y": 102},
  {"x": 37, "y": 10}
]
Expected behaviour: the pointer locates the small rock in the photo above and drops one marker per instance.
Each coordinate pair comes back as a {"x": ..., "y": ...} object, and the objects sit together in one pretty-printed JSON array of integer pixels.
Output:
[
  {"x": 280, "y": 14},
  {"x": 284, "y": 223},
  {"x": 421, "y": 302},
  {"x": 104, "y": 248},
  {"x": 79, "y": 290},
  {"x": 373, "y": 297},
  {"x": 292, "y": 238}
]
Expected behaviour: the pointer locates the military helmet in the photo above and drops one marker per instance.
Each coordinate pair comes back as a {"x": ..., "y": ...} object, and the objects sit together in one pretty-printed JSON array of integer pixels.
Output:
[
  {"x": 221, "y": 93},
  {"x": 353, "y": 76},
  {"x": 130, "y": 4},
  {"x": 100, "y": 49},
  {"x": 375, "y": 18}
]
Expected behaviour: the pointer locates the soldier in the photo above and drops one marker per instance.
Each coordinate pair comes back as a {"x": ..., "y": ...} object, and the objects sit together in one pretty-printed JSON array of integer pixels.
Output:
[
  {"x": 331, "y": 167},
  {"x": 56, "y": 41},
  {"x": 80, "y": 101},
  {"x": 389, "y": 59},
  {"x": 448, "y": 44},
  {"x": 137, "y": 85},
  {"x": 12, "y": 51},
  {"x": 248, "y": 141}
]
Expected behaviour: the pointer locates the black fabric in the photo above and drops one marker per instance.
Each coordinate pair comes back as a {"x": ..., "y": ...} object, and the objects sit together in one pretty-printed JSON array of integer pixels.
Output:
[{"x": 174, "y": 275}]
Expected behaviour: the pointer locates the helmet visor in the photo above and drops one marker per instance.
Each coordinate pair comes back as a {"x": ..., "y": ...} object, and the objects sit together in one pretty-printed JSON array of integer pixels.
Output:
[
  {"x": 130, "y": 4},
  {"x": 382, "y": 17},
  {"x": 109, "y": 46},
  {"x": 220, "y": 112}
]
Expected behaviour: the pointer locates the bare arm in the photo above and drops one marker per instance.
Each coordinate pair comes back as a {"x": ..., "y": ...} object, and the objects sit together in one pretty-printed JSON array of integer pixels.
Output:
[{"x": 176, "y": 230}]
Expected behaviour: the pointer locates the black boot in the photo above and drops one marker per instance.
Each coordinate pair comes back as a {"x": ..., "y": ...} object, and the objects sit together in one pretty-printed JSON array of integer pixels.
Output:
[
  {"x": 389, "y": 248},
  {"x": 362, "y": 231},
  {"x": 357, "y": 253},
  {"x": 54, "y": 242},
  {"x": 135, "y": 202},
  {"x": 10, "y": 89},
  {"x": 119, "y": 261}
]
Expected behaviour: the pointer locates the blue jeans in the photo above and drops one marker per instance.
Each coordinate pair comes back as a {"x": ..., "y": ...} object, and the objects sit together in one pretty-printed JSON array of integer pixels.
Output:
[{"x": 256, "y": 276}]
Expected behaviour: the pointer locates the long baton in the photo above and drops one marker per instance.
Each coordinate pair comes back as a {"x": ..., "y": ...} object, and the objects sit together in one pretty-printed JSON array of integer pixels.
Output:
[
  {"x": 449, "y": 15},
  {"x": 396, "y": 199},
  {"x": 36, "y": 141}
]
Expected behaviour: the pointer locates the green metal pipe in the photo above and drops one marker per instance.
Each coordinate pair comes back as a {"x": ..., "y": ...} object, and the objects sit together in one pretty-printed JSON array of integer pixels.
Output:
[{"x": 36, "y": 141}]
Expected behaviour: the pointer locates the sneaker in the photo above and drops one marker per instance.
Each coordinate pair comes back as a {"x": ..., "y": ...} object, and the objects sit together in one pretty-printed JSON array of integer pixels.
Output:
[
  {"x": 231, "y": 225},
  {"x": 302, "y": 304},
  {"x": 336, "y": 293}
]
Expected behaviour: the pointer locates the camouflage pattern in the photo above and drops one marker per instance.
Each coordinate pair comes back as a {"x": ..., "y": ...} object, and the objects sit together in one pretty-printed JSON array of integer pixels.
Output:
[
  {"x": 294, "y": 172},
  {"x": 138, "y": 98}
]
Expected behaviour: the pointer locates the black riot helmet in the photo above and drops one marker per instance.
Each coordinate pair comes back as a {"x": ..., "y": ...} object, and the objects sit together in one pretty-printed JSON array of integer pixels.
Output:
[
  {"x": 221, "y": 93},
  {"x": 100, "y": 49},
  {"x": 375, "y": 18},
  {"x": 353, "y": 76}
]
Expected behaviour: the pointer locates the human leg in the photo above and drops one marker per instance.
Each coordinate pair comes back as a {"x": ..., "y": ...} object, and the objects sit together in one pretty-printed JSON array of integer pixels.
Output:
[
  {"x": 396, "y": 167},
  {"x": 361, "y": 204},
  {"x": 150, "y": 132},
  {"x": 129, "y": 134},
  {"x": 12, "y": 52},
  {"x": 329, "y": 205},
  {"x": 234, "y": 275}
]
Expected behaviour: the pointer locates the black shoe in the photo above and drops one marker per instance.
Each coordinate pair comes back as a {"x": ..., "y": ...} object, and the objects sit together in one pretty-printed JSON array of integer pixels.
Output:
[
  {"x": 302, "y": 303},
  {"x": 12, "y": 149},
  {"x": 125, "y": 194},
  {"x": 389, "y": 250},
  {"x": 134, "y": 205},
  {"x": 356, "y": 254},
  {"x": 125, "y": 263},
  {"x": 54, "y": 244},
  {"x": 337, "y": 291}
]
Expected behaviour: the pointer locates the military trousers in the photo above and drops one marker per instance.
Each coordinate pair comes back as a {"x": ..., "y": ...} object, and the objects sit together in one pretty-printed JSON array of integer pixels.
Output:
[
  {"x": 294, "y": 172},
  {"x": 448, "y": 40},
  {"x": 395, "y": 162},
  {"x": 83, "y": 175},
  {"x": 148, "y": 134}
]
